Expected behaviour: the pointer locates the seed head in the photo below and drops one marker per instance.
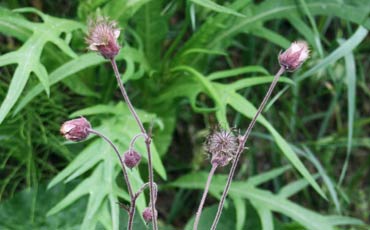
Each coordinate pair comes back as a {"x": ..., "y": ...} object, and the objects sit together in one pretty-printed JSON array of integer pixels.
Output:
[
  {"x": 131, "y": 158},
  {"x": 102, "y": 37},
  {"x": 148, "y": 214},
  {"x": 292, "y": 58},
  {"x": 222, "y": 146},
  {"x": 76, "y": 129}
]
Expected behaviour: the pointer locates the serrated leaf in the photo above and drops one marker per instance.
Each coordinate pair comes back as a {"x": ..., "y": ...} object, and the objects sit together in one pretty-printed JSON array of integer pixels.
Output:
[
  {"x": 98, "y": 156},
  {"x": 27, "y": 57},
  {"x": 269, "y": 201},
  {"x": 80, "y": 63},
  {"x": 223, "y": 95}
]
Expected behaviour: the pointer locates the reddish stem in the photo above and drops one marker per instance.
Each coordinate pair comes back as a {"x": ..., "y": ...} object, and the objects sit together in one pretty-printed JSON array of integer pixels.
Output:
[
  {"x": 205, "y": 192},
  {"x": 147, "y": 140},
  {"x": 241, "y": 146}
]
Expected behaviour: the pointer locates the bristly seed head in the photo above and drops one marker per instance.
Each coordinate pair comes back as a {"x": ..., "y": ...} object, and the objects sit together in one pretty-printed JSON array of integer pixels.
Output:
[
  {"x": 222, "y": 146},
  {"x": 294, "y": 56},
  {"x": 102, "y": 37}
]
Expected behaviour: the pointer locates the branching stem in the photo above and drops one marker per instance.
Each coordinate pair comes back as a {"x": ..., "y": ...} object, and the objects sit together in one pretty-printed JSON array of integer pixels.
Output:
[
  {"x": 242, "y": 142},
  {"x": 148, "y": 140}
]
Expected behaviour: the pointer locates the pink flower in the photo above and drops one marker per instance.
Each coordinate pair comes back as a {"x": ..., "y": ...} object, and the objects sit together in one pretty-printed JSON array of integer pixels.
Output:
[
  {"x": 294, "y": 56},
  {"x": 76, "y": 129},
  {"x": 103, "y": 37}
]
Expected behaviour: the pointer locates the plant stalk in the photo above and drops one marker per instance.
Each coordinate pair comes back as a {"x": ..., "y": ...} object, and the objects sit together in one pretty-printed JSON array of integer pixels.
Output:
[
  {"x": 205, "y": 192},
  {"x": 242, "y": 142},
  {"x": 147, "y": 139},
  {"x": 131, "y": 210},
  {"x": 125, "y": 175}
]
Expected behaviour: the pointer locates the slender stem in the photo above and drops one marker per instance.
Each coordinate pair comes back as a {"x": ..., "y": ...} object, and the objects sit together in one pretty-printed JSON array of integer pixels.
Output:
[
  {"x": 131, "y": 214},
  {"x": 205, "y": 192},
  {"x": 147, "y": 139},
  {"x": 133, "y": 204},
  {"x": 242, "y": 142},
  {"x": 135, "y": 138},
  {"x": 125, "y": 96},
  {"x": 125, "y": 175},
  {"x": 151, "y": 183}
]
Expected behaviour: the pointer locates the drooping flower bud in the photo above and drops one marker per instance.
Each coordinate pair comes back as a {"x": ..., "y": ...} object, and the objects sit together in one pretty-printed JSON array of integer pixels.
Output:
[
  {"x": 292, "y": 58},
  {"x": 222, "y": 146},
  {"x": 102, "y": 37},
  {"x": 148, "y": 214},
  {"x": 131, "y": 158},
  {"x": 76, "y": 129}
]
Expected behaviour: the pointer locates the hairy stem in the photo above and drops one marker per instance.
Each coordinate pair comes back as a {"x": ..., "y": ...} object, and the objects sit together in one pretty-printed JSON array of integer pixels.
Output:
[
  {"x": 131, "y": 214},
  {"x": 205, "y": 192},
  {"x": 242, "y": 142},
  {"x": 147, "y": 139},
  {"x": 133, "y": 140},
  {"x": 131, "y": 210},
  {"x": 125, "y": 96},
  {"x": 125, "y": 175}
]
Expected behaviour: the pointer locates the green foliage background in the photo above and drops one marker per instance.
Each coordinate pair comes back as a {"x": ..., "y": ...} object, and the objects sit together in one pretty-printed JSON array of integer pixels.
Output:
[{"x": 188, "y": 66}]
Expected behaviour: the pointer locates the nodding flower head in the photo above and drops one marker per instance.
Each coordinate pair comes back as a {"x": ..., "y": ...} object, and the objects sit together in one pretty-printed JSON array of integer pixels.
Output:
[
  {"x": 76, "y": 129},
  {"x": 148, "y": 214},
  {"x": 102, "y": 37},
  {"x": 292, "y": 58},
  {"x": 222, "y": 145},
  {"x": 131, "y": 158}
]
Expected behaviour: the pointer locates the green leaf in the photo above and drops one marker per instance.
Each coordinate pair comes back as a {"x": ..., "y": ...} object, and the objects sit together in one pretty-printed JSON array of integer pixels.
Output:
[
  {"x": 216, "y": 7},
  {"x": 265, "y": 199},
  {"x": 99, "y": 157},
  {"x": 294, "y": 187},
  {"x": 324, "y": 175},
  {"x": 265, "y": 215},
  {"x": 227, "y": 220},
  {"x": 247, "y": 109},
  {"x": 271, "y": 36},
  {"x": 80, "y": 63},
  {"x": 218, "y": 30},
  {"x": 240, "y": 209},
  {"x": 152, "y": 29},
  {"x": 345, "y": 220},
  {"x": 9, "y": 28},
  {"x": 237, "y": 71},
  {"x": 351, "y": 100},
  {"x": 224, "y": 95},
  {"x": 267, "y": 176},
  {"x": 252, "y": 81},
  {"x": 344, "y": 49},
  {"x": 30, "y": 207},
  {"x": 28, "y": 56}
]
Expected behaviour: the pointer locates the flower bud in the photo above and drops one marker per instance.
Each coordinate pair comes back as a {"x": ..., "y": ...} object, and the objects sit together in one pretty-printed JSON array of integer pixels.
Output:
[
  {"x": 294, "y": 56},
  {"x": 148, "y": 214},
  {"x": 103, "y": 36},
  {"x": 76, "y": 129},
  {"x": 131, "y": 158},
  {"x": 222, "y": 145}
]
